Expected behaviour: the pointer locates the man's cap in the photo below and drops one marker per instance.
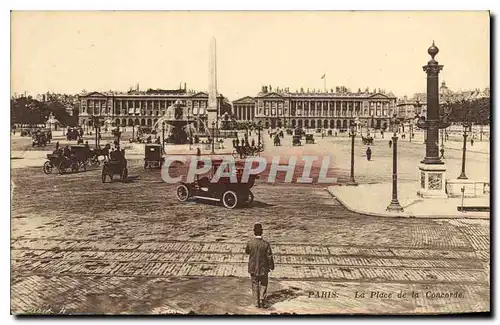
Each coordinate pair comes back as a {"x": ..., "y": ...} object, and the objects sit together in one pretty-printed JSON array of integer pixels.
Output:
[{"x": 257, "y": 227}]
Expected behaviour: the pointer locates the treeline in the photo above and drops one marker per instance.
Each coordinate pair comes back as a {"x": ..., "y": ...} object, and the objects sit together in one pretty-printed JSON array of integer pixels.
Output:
[
  {"x": 26, "y": 110},
  {"x": 476, "y": 111}
]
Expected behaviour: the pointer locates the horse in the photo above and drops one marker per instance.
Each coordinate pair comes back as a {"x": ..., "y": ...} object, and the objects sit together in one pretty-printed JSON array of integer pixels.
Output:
[{"x": 102, "y": 152}]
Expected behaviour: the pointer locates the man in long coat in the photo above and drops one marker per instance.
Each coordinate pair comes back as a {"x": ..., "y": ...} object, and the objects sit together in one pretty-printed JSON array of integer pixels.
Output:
[{"x": 260, "y": 263}]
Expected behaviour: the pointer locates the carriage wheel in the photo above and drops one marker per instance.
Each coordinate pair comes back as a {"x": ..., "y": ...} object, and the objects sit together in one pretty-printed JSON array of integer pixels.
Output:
[
  {"x": 74, "y": 167},
  {"x": 230, "y": 199},
  {"x": 95, "y": 161},
  {"x": 182, "y": 193},
  {"x": 124, "y": 175},
  {"x": 47, "y": 167},
  {"x": 62, "y": 167}
]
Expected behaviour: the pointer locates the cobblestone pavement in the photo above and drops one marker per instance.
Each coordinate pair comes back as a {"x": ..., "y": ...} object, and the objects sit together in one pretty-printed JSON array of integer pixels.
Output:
[{"x": 80, "y": 246}]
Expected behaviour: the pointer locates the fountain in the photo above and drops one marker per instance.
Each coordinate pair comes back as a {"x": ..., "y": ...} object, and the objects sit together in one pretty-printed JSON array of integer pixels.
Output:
[{"x": 179, "y": 124}]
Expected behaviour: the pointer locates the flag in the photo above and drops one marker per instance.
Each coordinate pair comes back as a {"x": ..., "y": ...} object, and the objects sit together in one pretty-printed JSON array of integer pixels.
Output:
[{"x": 323, "y": 76}]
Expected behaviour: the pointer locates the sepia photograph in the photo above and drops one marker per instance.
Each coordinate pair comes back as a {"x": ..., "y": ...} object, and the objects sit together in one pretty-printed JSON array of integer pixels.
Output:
[{"x": 250, "y": 163}]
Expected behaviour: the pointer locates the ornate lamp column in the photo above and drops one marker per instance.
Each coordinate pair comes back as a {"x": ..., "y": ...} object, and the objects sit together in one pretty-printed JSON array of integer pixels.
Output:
[
  {"x": 352, "y": 134},
  {"x": 432, "y": 168},
  {"x": 464, "y": 149},
  {"x": 394, "y": 206}
]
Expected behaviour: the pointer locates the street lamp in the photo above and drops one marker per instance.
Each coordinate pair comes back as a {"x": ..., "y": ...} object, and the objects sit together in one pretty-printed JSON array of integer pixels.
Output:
[
  {"x": 352, "y": 134},
  {"x": 394, "y": 206},
  {"x": 213, "y": 137},
  {"x": 464, "y": 149},
  {"x": 163, "y": 135}
]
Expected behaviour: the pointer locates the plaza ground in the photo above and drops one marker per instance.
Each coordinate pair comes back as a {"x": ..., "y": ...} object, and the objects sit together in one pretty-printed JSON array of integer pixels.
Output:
[{"x": 80, "y": 246}]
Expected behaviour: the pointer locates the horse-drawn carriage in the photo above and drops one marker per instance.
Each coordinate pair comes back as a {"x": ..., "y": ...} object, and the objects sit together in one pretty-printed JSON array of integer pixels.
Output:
[
  {"x": 310, "y": 138},
  {"x": 72, "y": 133},
  {"x": 277, "y": 141},
  {"x": 367, "y": 140},
  {"x": 75, "y": 158},
  {"x": 25, "y": 132},
  {"x": 116, "y": 165},
  {"x": 222, "y": 190},
  {"x": 296, "y": 140},
  {"x": 39, "y": 139},
  {"x": 153, "y": 156}
]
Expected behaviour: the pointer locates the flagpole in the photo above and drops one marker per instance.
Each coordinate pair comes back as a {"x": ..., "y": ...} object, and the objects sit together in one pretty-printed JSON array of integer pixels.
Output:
[{"x": 324, "y": 82}]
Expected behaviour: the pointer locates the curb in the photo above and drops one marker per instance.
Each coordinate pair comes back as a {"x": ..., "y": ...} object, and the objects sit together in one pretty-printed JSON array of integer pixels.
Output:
[{"x": 404, "y": 215}]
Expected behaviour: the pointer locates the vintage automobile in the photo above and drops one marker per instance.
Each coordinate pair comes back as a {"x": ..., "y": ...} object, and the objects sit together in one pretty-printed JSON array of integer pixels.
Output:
[
  {"x": 117, "y": 165},
  {"x": 310, "y": 138},
  {"x": 367, "y": 140},
  {"x": 296, "y": 140},
  {"x": 153, "y": 156},
  {"x": 39, "y": 139},
  {"x": 230, "y": 194}
]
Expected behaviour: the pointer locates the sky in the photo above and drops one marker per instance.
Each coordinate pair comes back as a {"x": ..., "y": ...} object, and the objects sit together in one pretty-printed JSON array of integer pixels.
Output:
[{"x": 69, "y": 51}]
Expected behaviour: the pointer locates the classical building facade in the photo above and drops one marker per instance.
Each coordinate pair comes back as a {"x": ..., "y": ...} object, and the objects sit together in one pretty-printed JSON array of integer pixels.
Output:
[
  {"x": 244, "y": 109},
  {"x": 142, "y": 108},
  {"x": 328, "y": 110}
]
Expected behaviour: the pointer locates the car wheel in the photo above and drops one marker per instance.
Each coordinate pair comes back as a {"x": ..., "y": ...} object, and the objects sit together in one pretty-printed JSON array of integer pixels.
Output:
[
  {"x": 230, "y": 199},
  {"x": 182, "y": 193},
  {"x": 47, "y": 167}
]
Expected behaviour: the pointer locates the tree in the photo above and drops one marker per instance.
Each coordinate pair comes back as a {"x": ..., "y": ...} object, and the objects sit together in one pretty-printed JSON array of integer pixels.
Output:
[{"x": 476, "y": 111}]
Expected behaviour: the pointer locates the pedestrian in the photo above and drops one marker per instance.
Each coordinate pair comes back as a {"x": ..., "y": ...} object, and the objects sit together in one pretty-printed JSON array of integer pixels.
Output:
[
  {"x": 198, "y": 152},
  {"x": 253, "y": 142},
  {"x": 442, "y": 153},
  {"x": 369, "y": 153},
  {"x": 472, "y": 141},
  {"x": 390, "y": 143},
  {"x": 260, "y": 263}
]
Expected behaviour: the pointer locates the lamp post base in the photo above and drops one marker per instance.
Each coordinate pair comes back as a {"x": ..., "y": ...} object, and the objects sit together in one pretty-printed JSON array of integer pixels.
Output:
[
  {"x": 351, "y": 182},
  {"x": 394, "y": 206},
  {"x": 462, "y": 176}
]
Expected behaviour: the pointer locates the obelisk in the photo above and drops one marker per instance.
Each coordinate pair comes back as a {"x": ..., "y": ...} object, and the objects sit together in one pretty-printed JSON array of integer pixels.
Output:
[{"x": 212, "y": 108}]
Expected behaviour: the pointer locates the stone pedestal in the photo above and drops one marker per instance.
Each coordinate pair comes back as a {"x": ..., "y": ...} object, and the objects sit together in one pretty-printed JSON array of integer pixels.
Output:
[{"x": 432, "y": 179}]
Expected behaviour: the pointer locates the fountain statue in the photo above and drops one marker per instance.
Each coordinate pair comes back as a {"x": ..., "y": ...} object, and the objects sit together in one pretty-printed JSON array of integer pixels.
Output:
[{"x": 178, "y": 123}]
